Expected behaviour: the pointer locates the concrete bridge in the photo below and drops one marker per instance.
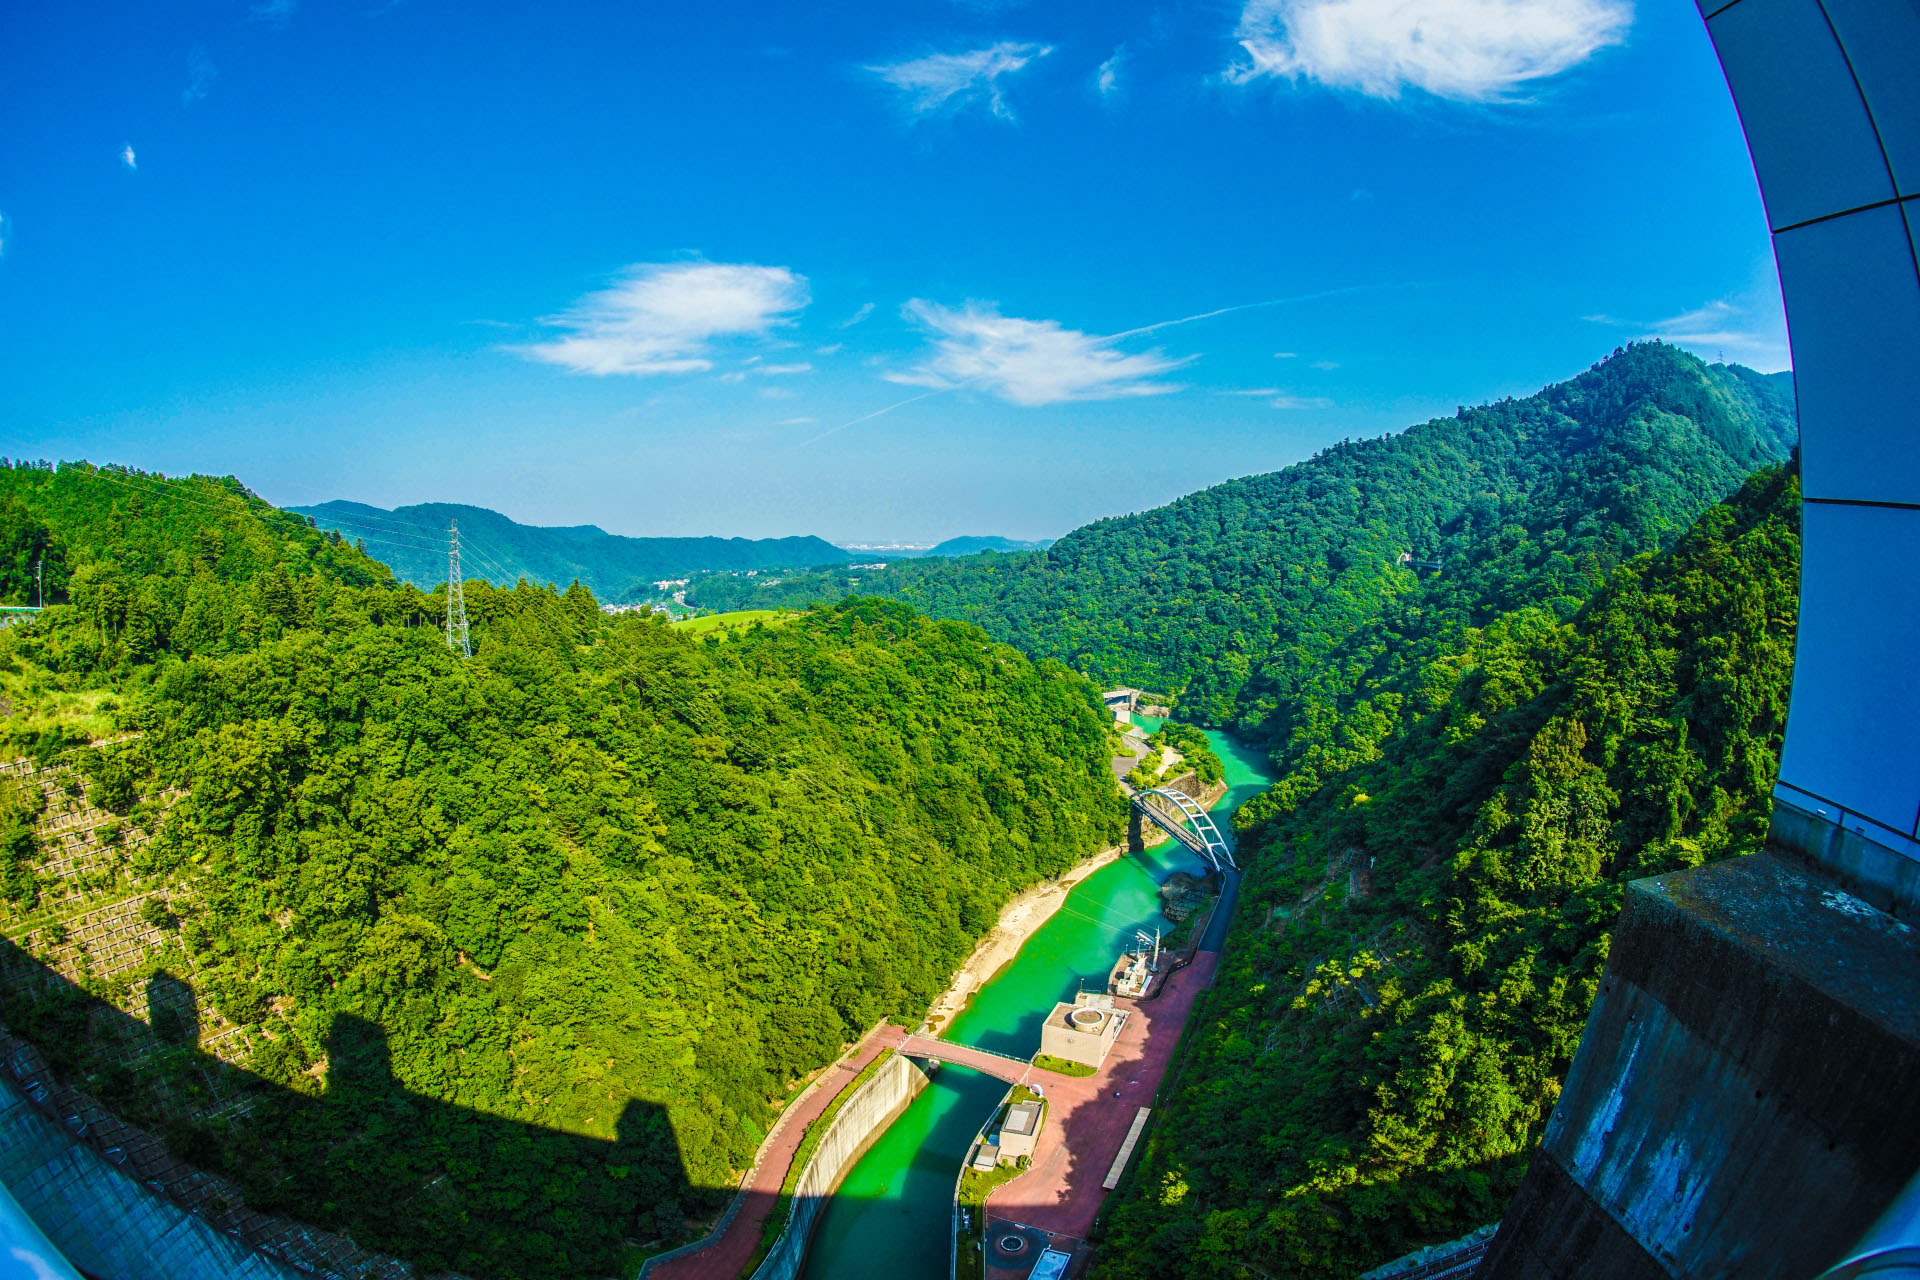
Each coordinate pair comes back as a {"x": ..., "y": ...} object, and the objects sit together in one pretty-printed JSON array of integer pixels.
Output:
[{"x": 1001, "y": 1066}]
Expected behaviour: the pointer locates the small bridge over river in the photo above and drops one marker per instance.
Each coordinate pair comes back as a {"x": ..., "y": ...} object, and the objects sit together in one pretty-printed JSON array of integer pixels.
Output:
[
  {"x": 999, "y": 1065},
  {"x": 1182, "y": 817}
]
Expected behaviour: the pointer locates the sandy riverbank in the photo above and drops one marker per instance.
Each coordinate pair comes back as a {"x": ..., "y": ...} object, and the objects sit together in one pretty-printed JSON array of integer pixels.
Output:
[{"x": 1019, "y": 920}]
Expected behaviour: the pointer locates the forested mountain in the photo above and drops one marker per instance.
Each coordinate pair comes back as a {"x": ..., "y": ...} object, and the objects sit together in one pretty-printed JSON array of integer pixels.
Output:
[
  {"x": 413, "y": 542},
  {"x": 1238, "y": 596},
  {"x": 1424, "y": 922},
  {"x": 512, "y": 952}
]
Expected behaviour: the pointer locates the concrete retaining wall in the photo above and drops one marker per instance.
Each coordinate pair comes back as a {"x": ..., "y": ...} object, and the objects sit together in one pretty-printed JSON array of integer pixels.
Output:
[
  {"x": 856, "y": 1127},
  {"x": 1743, "y": 1100}
]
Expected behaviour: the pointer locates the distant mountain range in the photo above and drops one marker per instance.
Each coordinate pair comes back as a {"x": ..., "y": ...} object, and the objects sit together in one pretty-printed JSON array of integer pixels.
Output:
[
  {"x": 967, "y": 546},
  {"x": 412, "y": 541}
]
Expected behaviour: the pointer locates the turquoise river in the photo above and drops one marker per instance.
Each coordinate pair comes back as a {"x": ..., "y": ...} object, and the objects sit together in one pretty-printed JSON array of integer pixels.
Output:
[{"x": 890, "y": 1216}]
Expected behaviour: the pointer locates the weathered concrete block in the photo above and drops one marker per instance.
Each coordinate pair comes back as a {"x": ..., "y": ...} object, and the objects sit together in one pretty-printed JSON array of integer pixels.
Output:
[{"x": 1746, "y": 1097}]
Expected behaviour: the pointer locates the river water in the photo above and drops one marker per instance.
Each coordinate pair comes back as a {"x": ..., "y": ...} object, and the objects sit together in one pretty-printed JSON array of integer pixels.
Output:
[{"x": 890, "y": 1217}]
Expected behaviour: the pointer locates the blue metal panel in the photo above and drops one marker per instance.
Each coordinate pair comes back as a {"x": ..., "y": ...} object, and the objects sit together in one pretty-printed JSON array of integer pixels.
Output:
[
  {"x": 1853, "y": 736},
  {"x": 1853, "y": 303},
  {"x": 1882, "y": 43},
  {"x": 1813, "y": 144}
]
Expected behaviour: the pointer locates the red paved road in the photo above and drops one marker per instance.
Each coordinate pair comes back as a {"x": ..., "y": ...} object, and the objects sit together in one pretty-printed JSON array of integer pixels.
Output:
[
  {"x": 1086, "y": 1124},
  {"x": 723, "y": 1259}
]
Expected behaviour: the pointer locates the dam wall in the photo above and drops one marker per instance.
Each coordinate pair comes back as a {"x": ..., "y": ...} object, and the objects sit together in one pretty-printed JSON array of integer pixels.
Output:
[
  {"x": 1743, "y": 1101},
  {"x": 857, "y": 1126},
  {"x": 103, "y": 1221}
]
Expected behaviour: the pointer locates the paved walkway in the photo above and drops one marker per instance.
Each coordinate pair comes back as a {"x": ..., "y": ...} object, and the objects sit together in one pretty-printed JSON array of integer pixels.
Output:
[
  {"x": 1086, "y": 1122},
  {"x": 724, "y": 1258}
]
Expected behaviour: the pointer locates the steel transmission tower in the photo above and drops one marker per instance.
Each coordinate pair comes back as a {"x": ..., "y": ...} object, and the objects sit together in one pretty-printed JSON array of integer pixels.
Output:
[{"x": 456, "y": 597}]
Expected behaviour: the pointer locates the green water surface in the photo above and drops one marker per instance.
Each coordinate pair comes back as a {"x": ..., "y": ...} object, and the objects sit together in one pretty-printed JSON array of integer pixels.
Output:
[{"x": 890, "y": 1218}]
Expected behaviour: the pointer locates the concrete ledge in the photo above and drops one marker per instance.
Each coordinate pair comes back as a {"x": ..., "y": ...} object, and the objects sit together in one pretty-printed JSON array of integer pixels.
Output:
[{"x": 1743, "y": 1101}]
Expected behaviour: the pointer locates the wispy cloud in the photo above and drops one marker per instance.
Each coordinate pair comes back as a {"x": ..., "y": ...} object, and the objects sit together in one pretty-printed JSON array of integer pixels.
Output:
[
  {"x": 6, "y": 230},
  {"x": 796, "y": 422},
  {"x": 1326, "y": 365},
  {"x": 663, "y": 318},
  {"x": 274, "y": 13},
  {"x": 953, "y": 81},
  {"x": 128, "y": 159},
  {"x": 200, "y": 75},
  {"x": 1749, "y": 330},
  {"x": 1467, "y": 50},
  {"x": 1107, "y": 78},
  {"x": 1279, "y": 399},
  {"x": 866, "y": 309},
  {"x": 1028, "y": 362}
]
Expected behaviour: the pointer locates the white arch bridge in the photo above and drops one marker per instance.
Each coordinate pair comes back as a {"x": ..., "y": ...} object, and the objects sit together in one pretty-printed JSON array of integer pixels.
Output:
[{"x": 1181, "y": 817}]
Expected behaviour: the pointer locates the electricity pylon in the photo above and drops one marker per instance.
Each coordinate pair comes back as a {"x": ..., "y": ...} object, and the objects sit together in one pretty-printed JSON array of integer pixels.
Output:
[{"x": 456, "y": 597}]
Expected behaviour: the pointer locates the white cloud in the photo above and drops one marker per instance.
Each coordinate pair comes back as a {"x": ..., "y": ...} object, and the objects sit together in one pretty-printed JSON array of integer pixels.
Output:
[
  {"x": 200, "y": 75},
  {"x": 795, "y": 422},
  {"x": 1326, "y": 364},
  {"x": 128, "y": 159},
  {"x": 1107, "y": 79},
  {"x": 1749, "y": 331},
  {"x": 1279, "y": 399},
  {"x": 6, "y": 230},
  {"x": 1028, "y": 362},
  {"x": 1286, "y": 355},
  {"x": 955, "y": 80},
  {"x": 832, "y": 348},
  {"x": 1469, "y": 50},
  {"x": 275, "y": 13},
  {"x": 866, "y": 309},
  {"x": 663, "y": 317}
]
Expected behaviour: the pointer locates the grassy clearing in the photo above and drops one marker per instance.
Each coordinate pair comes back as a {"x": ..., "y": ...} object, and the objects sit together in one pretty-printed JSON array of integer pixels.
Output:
[
  {"x": 1062, "y": 1066},
  {"x": 739, "y": 620}
]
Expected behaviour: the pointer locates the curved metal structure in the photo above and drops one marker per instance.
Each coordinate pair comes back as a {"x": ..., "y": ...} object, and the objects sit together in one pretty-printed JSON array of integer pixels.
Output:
[
  {"x": 1742, "y": 1101},
  {"x": 1829, "y": 96},
  {"x": 1188, "y": 823}
]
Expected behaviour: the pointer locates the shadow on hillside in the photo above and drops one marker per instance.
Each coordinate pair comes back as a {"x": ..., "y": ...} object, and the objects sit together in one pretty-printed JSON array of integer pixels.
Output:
[{"x": 444, "y": 1186}]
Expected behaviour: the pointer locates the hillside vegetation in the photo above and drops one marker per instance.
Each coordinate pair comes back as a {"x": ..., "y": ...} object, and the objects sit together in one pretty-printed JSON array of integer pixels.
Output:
[
  {"x": 1240, "y": 596},
  {"x": 1424, "y": 923},
  {"x": 413, "y": 542},
  {"x": 514, "y": 951}
]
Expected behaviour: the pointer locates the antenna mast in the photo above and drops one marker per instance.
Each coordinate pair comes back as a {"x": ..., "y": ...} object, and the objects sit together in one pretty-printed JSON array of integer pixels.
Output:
[{"x": 456, "y": 597}]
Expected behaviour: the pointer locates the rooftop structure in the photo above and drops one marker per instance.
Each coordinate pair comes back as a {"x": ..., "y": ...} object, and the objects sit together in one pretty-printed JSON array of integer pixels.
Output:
[
  {"x": 1084, "y": 1030},
  {"x": 1020, "y": 1130}
]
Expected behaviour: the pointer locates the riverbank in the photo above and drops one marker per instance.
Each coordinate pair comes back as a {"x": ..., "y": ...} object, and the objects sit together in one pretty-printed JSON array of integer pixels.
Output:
[{"x": 1019, "y": 920}]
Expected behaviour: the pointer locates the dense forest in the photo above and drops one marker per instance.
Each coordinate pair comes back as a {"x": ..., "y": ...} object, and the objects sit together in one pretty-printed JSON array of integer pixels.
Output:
[
  {"x": 1239, "y": 596},
  {"x": 1424, "y": 923},
  {"x": 519, "y": 947},
  {"x": 412, "y": 541}
]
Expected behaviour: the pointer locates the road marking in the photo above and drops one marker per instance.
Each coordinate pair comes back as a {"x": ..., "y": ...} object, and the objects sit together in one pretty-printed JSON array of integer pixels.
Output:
[{"x": 1126, "y": 1149}]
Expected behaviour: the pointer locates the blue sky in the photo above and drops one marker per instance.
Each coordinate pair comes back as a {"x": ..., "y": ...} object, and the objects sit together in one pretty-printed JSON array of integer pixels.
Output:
[{"x": 874, "y": 271}]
